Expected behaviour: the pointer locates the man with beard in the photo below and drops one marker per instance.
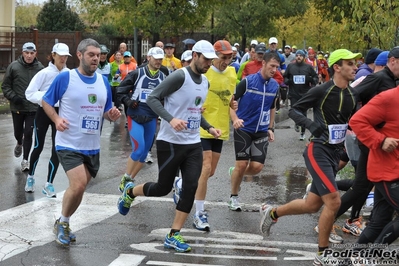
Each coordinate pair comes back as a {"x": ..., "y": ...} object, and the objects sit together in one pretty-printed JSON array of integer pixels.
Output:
[
  {"x": 300, "y": 77},
  {"x": 178, "y": 140},
  {"x": 86, "y": 100}
]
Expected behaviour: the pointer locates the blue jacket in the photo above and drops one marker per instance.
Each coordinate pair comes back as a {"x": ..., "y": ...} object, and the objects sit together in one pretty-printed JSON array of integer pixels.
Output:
[
  {"x": 363, "y": 70},
  {"x": 255, "y": 103}
]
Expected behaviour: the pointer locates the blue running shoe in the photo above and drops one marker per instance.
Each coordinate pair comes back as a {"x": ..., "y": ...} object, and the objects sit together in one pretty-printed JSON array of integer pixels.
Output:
[
  {"x": 124, "y": 180},
  {"x": 72, "y": 236},
  {"x": 177, "y": 242},
  {"x": 177, "y": 192},
  {"x": 201, "y": 221},
  {"x": 125, "y": 201},
  {"x": 61, "y": 230},
  {"x": 48, "y": 190}
]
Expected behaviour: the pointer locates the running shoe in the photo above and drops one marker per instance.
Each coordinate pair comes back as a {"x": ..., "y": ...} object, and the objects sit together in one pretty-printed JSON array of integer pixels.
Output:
[
  {"x": 266, "y": 220},
  {"x": 72, "y": 236},
  {"x": 201, "y": 221},
  {"x": 30, "y": 185},
  {"x": 333, "y": 237},
  {"x": 176, "y": 242},
  {"x": 61, "y": 230},
  {"x": 125, "y": 201},
  {"x": 149, "y": 158},
  {"x": 366, "y": 210},
  {"x": 302, "y": 136},
  {"x": 18, "y": 150},
  {"x": 307, "y": 190},
  {"x": 48, "y": 190},
  {"x": 354, "y": 228},
  {"x": 177, "y": 190},
  {"x": 24, "y": 165},
  {"x": 125, "y": 179},
  {"x": 321, "y": 260},
  {"x": 234, "y": 204}
]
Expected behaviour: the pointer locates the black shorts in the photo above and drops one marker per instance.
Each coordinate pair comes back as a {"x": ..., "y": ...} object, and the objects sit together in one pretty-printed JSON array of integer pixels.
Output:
[
  {"x": 72, "y": 159},
  {"x": 251, "y": 146},
  {"x": 214, "y": 145}
]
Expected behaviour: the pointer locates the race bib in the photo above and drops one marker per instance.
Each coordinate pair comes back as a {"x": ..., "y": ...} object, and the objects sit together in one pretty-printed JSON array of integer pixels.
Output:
[
  {"x": 265, "y": 118},
  {"x": 337, "y": 133},
  {"x": 89, "y": 124},
  {"x": 193, "y": 123},
  {"x": 299, "y": 79},
  {"x": 144, "y": 94}
]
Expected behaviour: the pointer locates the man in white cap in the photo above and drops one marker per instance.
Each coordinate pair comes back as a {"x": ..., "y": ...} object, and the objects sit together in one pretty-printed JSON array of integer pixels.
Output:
[
  {"x": 247, "y": 56},
  {"x": 178, "y": 139},
  {"x": 18, "y": 75},
  {"x": 186, "y": 58},
  {"x": 273, "y": 44}
]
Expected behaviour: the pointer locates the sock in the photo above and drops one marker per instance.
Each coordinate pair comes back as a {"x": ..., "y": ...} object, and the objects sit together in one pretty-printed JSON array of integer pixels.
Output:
[
  {"x": 199, "y": 206},
  {"x": 47, "y": 183},
  {"x": 321, "y": 250},
  {"x": 233, "y": 195},
  {"x": 64, "y": 219},
  {"x": 130, "y": 193},
  {"x": 273, "y": 214},
  {"x": 127, "y": 176},
  {"x": 173, "y": 231},
  {"x": 31, "y": 176}
]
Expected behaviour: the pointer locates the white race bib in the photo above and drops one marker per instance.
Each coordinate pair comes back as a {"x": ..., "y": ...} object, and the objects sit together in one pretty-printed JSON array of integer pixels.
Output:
[
  {"x": 299, "y": 79},
  {"x": 89, "y": 124},
  {"x": 144, "y": 94},
  {"x": 265, "y": 118},
  {"x": 337, "y": 133}
]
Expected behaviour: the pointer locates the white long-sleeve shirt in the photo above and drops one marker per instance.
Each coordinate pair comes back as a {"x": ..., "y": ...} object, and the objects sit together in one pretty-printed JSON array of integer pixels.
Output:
[{"x": 41, "y": 82}]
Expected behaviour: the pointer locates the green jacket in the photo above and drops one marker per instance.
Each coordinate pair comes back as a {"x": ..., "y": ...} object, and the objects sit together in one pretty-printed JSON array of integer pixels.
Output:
[{"x": 16, "y": 80}]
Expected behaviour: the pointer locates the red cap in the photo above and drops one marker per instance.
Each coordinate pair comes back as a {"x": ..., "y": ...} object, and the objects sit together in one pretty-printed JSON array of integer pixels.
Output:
[{"x": 223, "y": 47}]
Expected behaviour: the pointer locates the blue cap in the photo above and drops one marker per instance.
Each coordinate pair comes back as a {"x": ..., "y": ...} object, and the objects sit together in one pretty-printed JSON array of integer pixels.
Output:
[
  {"x": 382, "y": 59},
  {"x": 301, "y": 52},
  {"x": 127, "y": 54}
]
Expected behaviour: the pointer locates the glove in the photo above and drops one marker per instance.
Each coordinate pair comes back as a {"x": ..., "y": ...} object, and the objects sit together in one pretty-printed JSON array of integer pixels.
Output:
[
  {"x": 132, "y": 103},
  {"x": 17, "y": 100},
  {"x": 316, "y": 129}
]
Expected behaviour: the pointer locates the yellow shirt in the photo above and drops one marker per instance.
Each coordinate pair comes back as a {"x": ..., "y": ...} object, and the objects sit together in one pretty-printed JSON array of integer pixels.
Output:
[
  {"x": 167, "y": 61},
  {"x": 217, "y": 103}
]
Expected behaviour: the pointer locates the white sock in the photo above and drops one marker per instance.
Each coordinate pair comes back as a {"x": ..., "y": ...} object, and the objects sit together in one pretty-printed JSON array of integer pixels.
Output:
[
  {"x": 127, "y": 175},
  {"x": 180, "y": 183},
  {"x": 64, "y": 219},
  {"x": 31, "y": 176},
  {"x": 47, "y": 184},
  {"x": 199, "y": 206}
]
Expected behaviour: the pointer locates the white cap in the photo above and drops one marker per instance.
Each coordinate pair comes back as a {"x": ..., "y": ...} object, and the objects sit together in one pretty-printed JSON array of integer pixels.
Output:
[
  {"x": 255, "y": 42},
  {"x": 234, "y": 48},
  {"x": 236, "y": 44},
  {"x": 61, "y": 49},
  {"x": 206, "y": 48},
  {"x": 187, "y": 55},
  {"x": 29, "y": 47},
  {"x": 156, "y": 52},
  {"x": 273, "y": 40}
]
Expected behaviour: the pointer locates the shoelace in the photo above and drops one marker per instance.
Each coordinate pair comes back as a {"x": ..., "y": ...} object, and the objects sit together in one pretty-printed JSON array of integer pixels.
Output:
[
  {"x": 66, "y": 229},
  {"x": 179, "y": 238}
]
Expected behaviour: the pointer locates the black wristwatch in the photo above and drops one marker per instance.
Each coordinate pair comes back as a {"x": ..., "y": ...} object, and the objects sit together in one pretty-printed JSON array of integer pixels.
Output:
[{"x": 272, "y": 129}]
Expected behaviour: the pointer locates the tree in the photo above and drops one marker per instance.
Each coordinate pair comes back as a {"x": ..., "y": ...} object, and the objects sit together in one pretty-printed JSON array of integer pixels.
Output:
[
  {"x": 26, "y": 14},
  {"x": 254, "y": 18},
  {"x": 152, "y": 17},
  {"x": 56, "y": 15}
]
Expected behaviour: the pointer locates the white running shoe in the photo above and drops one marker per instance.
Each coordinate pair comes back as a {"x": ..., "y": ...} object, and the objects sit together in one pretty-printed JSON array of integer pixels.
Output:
[{"x": 234, "y": 204}]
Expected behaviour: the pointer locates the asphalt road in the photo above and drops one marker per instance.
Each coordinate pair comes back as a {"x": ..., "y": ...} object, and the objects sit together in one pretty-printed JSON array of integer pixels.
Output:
[{"x": 104, "y": 237}]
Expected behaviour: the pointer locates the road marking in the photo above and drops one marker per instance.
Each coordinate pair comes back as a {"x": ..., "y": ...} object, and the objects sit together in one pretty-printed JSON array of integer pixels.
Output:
[
  {"x": 127, "y": 260},
  {"x": 166, "y": 263}
]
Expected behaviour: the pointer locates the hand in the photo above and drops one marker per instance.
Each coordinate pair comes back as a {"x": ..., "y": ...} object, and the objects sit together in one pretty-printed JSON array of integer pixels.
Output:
[
  {"x": 61, "y": 124},
  {"x": 271, "y": 136},
  {"x": 238, "y": 123},
  {"x": 390, "y": 144},
  {"x": 233, "y": 104},
  {"x": 215, "y": 132},
  {"x": 17, "y": 100},
  {"x": 132, "y": 104},
  {"x": 114, "y": 114},
  {"x": 178, "y": 124}
]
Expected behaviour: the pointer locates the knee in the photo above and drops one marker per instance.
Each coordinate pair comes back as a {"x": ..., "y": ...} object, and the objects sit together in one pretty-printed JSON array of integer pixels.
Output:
[{"x": 256, "y": 167}]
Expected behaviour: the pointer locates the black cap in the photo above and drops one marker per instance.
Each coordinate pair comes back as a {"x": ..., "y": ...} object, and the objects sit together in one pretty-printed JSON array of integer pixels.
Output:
[
  {"x": 372, "y": 55},
  {"x": 394, "y": 52},
  {"x": 260, "y": 49},
  {"x": 170, "y": 45}
]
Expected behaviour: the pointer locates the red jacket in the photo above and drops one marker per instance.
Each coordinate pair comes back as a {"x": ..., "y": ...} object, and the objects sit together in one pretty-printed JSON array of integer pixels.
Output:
[
  {"x": 381, "y": 166},
  {"x": 254, "y": 66}
]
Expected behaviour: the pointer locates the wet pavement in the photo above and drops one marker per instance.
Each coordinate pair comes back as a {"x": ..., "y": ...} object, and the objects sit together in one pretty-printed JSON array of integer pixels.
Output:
[{"x": 107, "y": 238}]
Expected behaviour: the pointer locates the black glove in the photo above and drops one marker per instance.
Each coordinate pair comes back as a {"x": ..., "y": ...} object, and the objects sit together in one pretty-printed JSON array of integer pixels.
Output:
[
  {"x": 132, "y": 103},
  {"x": 316, "y": 129},
  {"x": 17, "y": 100}
]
